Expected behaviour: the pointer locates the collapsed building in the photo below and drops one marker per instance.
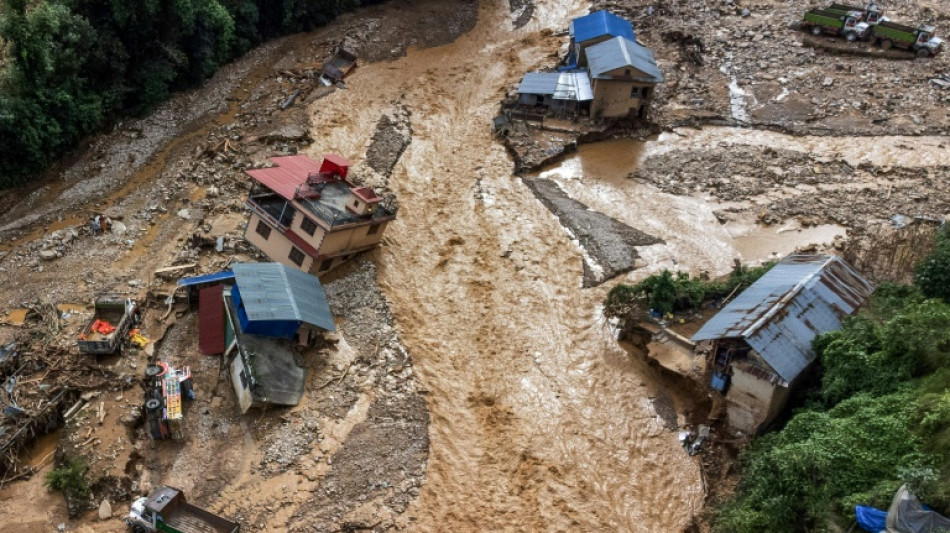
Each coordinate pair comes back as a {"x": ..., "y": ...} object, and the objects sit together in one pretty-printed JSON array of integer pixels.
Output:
[{"x": 759, "y": 346}]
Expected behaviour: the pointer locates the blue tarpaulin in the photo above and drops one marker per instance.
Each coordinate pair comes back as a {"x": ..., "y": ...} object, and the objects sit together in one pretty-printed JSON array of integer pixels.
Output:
[{"x": 870, "y": 519}]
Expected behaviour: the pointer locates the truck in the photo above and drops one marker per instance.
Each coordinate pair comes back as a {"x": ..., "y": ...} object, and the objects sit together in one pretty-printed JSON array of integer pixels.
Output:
[
  {"x": 165, "y": 388},
  {"x": 872, "y": 14},
  {"x": 166, "y": 510},
  {"x": 109, "y": 328},
  {"x": 848, "y": 24},
  {"x": 919, "y": 40}
]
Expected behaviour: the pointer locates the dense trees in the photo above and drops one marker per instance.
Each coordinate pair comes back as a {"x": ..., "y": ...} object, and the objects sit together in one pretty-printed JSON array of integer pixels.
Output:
[
  {"x": 879, "y": 416},
  {"x": 73, "y": 65}
]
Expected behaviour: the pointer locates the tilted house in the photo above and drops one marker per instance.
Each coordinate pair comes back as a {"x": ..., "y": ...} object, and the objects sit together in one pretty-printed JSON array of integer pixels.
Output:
[
  {"x": 760, "y": 343},
  {"x": 624, "y": 75},
  {"x": 271, "y": 308},
  {"x": 307, "y": 214},
  {"x": 594, "y": 28}
]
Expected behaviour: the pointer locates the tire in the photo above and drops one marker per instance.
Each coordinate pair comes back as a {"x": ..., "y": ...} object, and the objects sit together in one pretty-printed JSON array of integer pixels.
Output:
[
  {"x": 139, "y": 529},
  {"x": 816, "y": 30},
  {"x": 887, "y": 44},
  {"x": 851, "y": 36},
  {"x": 923, "y": 52}
]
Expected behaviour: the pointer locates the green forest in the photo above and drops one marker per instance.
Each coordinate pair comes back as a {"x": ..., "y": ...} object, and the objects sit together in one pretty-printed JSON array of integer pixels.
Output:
[
  {"x": 71, "y": 67},
  {"x": 877, "y": 417}
]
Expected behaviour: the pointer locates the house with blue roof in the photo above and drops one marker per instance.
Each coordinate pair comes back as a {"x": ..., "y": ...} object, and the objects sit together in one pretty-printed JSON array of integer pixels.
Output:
[
  {"x": 270, "y": 311},
  {"x": 594, "y": 28},
  {"x": 759, "y": 346}
]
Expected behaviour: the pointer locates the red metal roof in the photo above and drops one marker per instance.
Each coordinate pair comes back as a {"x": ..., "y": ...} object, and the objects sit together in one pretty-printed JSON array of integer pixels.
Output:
[
  {"x": 211, "y": 320},
  {"x": 292, "y": 171}
]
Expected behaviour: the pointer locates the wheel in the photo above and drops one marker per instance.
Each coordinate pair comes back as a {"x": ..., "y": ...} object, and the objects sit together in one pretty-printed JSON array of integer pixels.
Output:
[
  {"x": 816, "y": 30},
  {"x": 139, "y": 529},
  {"x": 923, "y": 52},
  {"x": 851, "y": 36},
  {"x": 887, "y": 44}
]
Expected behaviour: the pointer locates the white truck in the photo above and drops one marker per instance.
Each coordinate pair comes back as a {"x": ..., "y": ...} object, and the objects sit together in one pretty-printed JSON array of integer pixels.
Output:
[{"x": 166, "y": 510}]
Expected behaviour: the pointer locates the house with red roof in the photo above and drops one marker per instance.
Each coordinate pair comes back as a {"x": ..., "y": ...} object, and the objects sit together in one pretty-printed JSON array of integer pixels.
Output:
[{"x": 308, "y": 215}]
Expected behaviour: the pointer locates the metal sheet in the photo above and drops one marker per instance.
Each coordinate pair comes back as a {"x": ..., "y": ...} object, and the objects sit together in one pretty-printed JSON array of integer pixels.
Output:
[
  {"x": 272, "y": 291},
  {"x": 207, "y": 278},
  {"x": 598, "y": 24},
  {"x": 539, "y": 83},
  {"x": 573, "y": 86},
  {"x": 619, "y": 53},
  {"x": 779, "y": 315},
  {"x": 211, "y": 320}
]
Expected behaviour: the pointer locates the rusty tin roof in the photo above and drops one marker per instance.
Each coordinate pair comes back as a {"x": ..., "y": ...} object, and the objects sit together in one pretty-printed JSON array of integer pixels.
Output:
[{"x": 779, "y": 315}]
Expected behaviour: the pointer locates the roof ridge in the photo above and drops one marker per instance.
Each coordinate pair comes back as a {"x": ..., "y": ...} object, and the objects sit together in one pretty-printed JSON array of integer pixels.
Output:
[
  {"x": 290, "y": 291},
  {"x": 789, "y": 296}
]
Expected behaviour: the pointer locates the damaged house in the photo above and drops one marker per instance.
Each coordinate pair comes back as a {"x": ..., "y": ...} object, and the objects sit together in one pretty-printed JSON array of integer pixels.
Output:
[
  {"x": 608, "y": 74},
  {"x": 307, "y": 214},
  {"x": 759, "y": 346},
  {"x": 269, "y": 310}
]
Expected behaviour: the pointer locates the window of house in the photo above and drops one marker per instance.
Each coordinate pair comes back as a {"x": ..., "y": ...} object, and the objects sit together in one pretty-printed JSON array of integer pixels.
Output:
[
  {"x": 373, "y": 229},
  {"x": 326, "y": 264},
  {"x": 296, "y": 255},
  {"x": 308, "y": 226},
  {"x": 262, "y": 229},
  {"x": 635, "y": 92},
  {"x": 626, "y": 72},
  {"x": 645, "y": 93}
]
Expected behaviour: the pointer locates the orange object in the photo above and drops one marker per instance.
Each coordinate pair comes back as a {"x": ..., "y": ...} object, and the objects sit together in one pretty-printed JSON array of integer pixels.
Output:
[{"x": 103, "y": 327}]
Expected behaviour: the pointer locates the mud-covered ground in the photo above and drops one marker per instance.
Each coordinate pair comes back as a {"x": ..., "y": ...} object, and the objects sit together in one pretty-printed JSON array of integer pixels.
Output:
[{"x": 474, "y": 387}]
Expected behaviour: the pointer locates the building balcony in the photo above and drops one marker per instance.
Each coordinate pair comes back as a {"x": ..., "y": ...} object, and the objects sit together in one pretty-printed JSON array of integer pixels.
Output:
[{"x": 273, "y": 208}]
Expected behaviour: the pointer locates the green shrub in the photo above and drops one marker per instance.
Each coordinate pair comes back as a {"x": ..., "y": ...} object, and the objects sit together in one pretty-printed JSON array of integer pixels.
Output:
[
  {"x": 933, "y": 273},
  {"x": 70, "y": 479}
]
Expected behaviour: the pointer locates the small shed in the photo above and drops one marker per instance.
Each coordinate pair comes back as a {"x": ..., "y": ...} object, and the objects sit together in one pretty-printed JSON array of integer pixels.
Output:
[
  {"x": 560, "y": 91},
  {"x": 759, "y": 345},
  {"x": 274, "y": 300}
]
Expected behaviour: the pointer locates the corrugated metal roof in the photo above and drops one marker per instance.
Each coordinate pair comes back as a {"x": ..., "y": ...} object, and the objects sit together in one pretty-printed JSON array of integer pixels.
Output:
[
  {"x": 620, "y": 52},
  {"x": 211, "y": 320},
  {"x": 598, "y": 24},
  {"x": 779, "y": 315},
  {"x": 207, "y": 278},
  {"x": 539, "y": 83},
  {"x": 573, "y": 86},
  {"x": 291, "y": 172},
  {"x": 272, "y": 291}
]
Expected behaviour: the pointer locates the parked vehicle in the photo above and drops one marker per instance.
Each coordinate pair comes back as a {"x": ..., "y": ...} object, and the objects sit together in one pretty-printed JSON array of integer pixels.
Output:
[
  {"x": 849, "y": 24},
  {"x": 166, "y": 510},
  {"x": 919, "y": 40},
  {"x": 109, "y": 328},
  {"x": 872, "y": 14}
]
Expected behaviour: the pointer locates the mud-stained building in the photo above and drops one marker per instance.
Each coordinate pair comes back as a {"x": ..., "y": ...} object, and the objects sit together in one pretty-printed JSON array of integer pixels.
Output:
[
  {"x": 624, "y": 76},
  {"x": 307, "y": 214},
  {"x": 759, "y": 345},
  {"x": 592, "y": 29}
]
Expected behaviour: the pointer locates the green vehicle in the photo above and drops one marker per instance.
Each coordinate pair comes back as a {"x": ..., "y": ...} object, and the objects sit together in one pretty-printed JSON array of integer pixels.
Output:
[
  {"x": 166, "y": 511},
  {"x": 872, "y": 14},
  {"x": 919, "y": 40},
  {"x": 849, "y": 24}
]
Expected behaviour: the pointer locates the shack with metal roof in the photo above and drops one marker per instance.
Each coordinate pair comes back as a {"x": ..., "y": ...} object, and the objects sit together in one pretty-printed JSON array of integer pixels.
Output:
[
  {"x": 562, "y": 92},
  {"x": 274, "y": 300},
  {"x": 759, "y": 346},
  {"x": 594, "y": 28},
  {"x": 624, "y": 76}
]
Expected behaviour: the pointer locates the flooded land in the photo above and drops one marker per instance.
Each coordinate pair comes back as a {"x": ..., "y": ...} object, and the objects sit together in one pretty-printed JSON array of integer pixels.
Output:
[{"x": 475, "y": 385}]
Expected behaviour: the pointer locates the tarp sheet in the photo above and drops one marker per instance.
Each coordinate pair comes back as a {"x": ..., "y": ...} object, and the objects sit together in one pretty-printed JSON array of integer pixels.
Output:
[
  {"x": 870, "y": 519},
  {"x": 907, "y": 515}
]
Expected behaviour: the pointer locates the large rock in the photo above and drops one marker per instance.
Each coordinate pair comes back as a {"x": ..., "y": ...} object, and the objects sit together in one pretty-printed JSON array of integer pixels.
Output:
[
  {"x": 47, "y": 255},
  {"x": 105, "y": 510}
]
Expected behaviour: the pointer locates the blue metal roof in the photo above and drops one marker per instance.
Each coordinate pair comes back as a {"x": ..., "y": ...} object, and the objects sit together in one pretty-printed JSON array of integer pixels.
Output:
[
  {"x": 207, "y": 278},
  {"x": 598, "y": 24},
  {"x": 275, "y": 292},
  {"x": 620, "y": 52},
  {"x": 779, "y": 315}
]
